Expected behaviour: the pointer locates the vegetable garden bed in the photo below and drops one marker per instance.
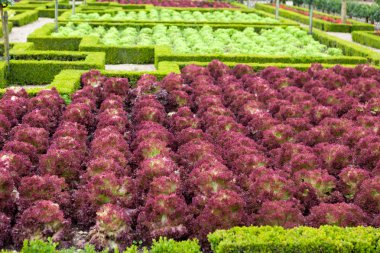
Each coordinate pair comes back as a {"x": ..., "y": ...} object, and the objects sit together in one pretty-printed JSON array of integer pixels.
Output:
[
  {"x": 29, "y": 66},
  {"x": 317, "y": 23},
  {"x": 145, "y": 52},
  {"x": 209, "y": 145}
]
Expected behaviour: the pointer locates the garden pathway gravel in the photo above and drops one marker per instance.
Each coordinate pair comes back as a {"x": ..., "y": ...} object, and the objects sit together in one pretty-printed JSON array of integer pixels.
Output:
[
  {"x": 20, "y": 34},
  {"x": 131, "y": 67}
]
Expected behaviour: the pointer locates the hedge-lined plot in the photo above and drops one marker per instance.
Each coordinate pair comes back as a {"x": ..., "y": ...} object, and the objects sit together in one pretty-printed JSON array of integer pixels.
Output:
[
  {"x": 371, "y": 39},
  {"x": 293, "y": 41},
  {"x": 303, "y": 239},
  {"x": 276, "y": 136},
  {"x": 115, "y": 54},
  {"x": 189, "y": 150}
]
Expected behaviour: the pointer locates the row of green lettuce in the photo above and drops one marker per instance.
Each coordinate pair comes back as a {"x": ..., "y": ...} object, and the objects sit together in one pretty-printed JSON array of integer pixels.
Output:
[
  {"x": 326, "y": 239},
  {"x": 318, "y": 23},
  {"x": 42, "y": 39}
]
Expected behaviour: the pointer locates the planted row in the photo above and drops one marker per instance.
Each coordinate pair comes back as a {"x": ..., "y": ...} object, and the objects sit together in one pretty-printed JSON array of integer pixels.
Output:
[
  {"x": 177, "y": 16},
  {"x": 294, "y": 41},
  {"x": 210, "y": 148}
]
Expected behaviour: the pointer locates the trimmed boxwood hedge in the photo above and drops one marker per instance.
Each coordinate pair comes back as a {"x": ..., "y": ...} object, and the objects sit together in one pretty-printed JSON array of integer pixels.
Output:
[
  {"x": 165, "y": 54},
  {"x": 266, "y": 239},
  {"x": 366, "y": 38},
  {"x": 261, "y": 66},
  {"x": 66, "y": 82},
  {"x": 43, "y": 40},
  {"x": 24, "y": 17},
  {"x": 29, "y": 66},
  {"x": 348, "y": 48},
  {"x": 354, "y": 54},
  {"x": 318, "y": 23},
  {"x": 326, "y": 239}
]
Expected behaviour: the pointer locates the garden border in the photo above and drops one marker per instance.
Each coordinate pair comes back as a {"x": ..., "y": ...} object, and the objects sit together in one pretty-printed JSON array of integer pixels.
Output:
[
  {"x": 25, "y": 69},
  {"x": 24, "y": 17},
  {"x": 300, "y": 239},
  {"x": 366, "y": 38},
  {"x": 355, "y": 54}
]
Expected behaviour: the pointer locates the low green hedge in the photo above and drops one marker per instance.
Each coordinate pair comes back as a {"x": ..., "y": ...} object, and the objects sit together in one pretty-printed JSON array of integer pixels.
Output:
[
  {"x": 66, "y": 82},
  {"x": 318, "y": 23},
  {"x": 261, "y": 66},
  {"x": 119, "y": 54},
  {"x": 29, "y": 66},
  {"x": 3, "y": 73},
  {"x": 10, "y": 26},
  {"x": 43, "y": 41},
  {"x": 162, "y": 245},
  {"x": 326, "y": 239},
  {"x": 24, "y": 18},
  {"x": 366, "y": 38},
  {"x": 43, "y": 8},
  {"x": 165, "y": 54},
  {"x": 348, "y": 48}
]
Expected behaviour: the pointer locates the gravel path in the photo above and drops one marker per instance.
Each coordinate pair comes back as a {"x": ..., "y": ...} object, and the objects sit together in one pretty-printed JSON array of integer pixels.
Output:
[
  {"x": 131, "y": 67},
  {"x": 19, "y": 34},
  {"x": 348, "y": 37}
]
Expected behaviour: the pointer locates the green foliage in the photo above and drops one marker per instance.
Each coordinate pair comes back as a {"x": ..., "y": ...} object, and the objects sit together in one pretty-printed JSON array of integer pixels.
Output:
[
  {"x": 348, "y": 48},
  {"x": 289, "y": 41},
  {"x": 261, "y": 66},
  {"x": 319, "y": 23},
  {"x": 25, "y": 69},
  {"x": 367, "y": 38},
  {"x": 43, "y": 41},
  {"x": 164, "y": 245},
  {"x": 326, "y": 239},
  {"x": 135, "y": 249},
  {"x": 10, "y": 26},
  {"x": 370, "y": 12},
  {"x": 39, "y": 246},
  {"x": 119, "y": 54},
  {"x": 24, "y": 18},
  {"x": 6, "y": 2}
]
